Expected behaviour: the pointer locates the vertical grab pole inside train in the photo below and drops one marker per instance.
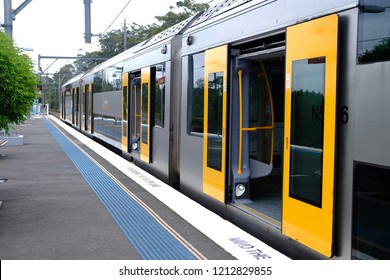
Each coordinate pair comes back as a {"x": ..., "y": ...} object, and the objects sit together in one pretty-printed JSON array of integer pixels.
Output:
[{"x": 239, "y": 171}]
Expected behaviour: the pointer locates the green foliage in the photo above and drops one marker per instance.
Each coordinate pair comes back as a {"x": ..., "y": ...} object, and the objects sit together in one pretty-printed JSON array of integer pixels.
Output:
[
  {"x": 380, "y": 52},
  {"x": 112, "y": 43},
  {"x": 17, "y": 84}
]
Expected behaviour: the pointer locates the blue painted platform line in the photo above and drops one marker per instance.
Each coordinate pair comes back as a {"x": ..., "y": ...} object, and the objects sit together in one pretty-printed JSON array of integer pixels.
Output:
[{"x": 151, "y": 239}]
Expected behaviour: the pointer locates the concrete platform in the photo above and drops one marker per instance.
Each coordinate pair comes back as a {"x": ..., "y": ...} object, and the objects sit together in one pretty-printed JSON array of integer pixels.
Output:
[
  {"x": 50, "y": 212},
  {"x": 55, "y": 206}
]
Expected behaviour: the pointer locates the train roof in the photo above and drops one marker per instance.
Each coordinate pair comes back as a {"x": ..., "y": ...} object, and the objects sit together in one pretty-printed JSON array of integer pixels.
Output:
[
  {"x": 112, "y": 61},
  {"x": 227, "y": 7},
  {"x": 73, "y": 80},
  {"x": 128, "y": 54},
  {"x": 235, "y": 20},
  {"x": 167, "y": 34}
]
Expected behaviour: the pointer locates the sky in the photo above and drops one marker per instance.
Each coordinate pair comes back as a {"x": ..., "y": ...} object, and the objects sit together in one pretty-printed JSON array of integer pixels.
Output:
[{"x": 56, "y": 27}]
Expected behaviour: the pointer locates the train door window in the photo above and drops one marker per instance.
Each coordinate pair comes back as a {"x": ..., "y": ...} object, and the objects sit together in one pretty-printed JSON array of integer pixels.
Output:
[
  {"x": 145, "y": 113},
  {"x": 307, "y": 130},
  {"x": 88, "y": 108},
  {"x": 374, "y": 31},
  {"x": 83, "y": 106},
  {"x": 371, "y": 206},
  {"x": 87, "y": 105},
  {"x": 159, "y": 97},
  {"x": 215, "y": 98},
  {"x": 195, "y": 94},
  {"x": 125, "y": 112},
  {"x": 73, "y": 106}
]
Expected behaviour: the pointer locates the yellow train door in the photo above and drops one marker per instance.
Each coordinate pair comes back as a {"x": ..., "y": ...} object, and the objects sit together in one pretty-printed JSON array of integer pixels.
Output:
[
  {"x": 145, "y": 114},
  {"x": 88, "y": 108},
  {"x": 310, "y": 132},
  {"x": 214, "y": 140},
  {"x": 125, "y": 112}
]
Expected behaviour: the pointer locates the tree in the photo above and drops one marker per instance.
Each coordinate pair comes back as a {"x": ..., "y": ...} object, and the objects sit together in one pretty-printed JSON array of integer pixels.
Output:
[
  {"x": 66, "y": 73},
  {"x": 112, "y": 42},
  {"x": 18, "y": 84},
  {"x": 187, "y": 8}
]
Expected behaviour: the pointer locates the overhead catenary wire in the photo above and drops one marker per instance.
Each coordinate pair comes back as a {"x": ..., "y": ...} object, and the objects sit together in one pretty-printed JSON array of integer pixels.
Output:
[
  {"x": 127, "y": 4},
  {"x": 117, "y": 16}
]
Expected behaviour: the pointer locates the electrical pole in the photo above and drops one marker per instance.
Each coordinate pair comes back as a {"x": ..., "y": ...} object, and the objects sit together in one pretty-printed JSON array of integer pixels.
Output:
[
  {"x": 10, "y": 15},
  {"x": 124, "y": 36},
  {"x": 87, "y": 12}
]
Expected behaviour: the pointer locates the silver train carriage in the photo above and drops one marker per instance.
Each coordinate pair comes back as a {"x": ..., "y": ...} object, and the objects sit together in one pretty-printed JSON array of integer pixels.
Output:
[{"x": 272, "y": 113}]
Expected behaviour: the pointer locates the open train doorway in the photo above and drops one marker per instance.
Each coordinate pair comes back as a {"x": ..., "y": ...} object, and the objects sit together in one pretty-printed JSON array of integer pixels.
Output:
[
  {"x": 257, "y": 127},
  {"x": 284, "y": 71}
]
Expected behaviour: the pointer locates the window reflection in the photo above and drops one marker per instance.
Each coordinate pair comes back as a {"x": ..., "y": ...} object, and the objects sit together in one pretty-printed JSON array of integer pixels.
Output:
[
  {"x": 196, "y": 94},
  {"x": 307, "y": 130},
  {"x": 371, "y": 206},
  {"x": 159, "y": 101},
  {"x": 374, "y": 31},
  {"x": 214, "y": 143},
  {"x": 145, "y": 112}
]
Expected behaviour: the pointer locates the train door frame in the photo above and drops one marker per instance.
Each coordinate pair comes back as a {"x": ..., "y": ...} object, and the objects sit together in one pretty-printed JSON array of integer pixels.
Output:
[
  {"x": 296, "y": 221},
  {"x": 134, "y": 117},
  {"x": 73, "y": 94},
  {"x": 125, "y": 112},
  {"x": 145, "y": 134},
  {"x": 307, "y": 218},
  {"x": 256, "y": 125}
]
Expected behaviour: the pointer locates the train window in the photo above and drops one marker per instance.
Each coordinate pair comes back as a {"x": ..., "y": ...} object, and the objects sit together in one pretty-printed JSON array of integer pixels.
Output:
[
  {"x": 98, "y": 82},
  {"x": 159, "y": 101},
  {"x": 371, "y": 207},
  {"x": 112, "y": 78},
  {"x": 374, "y": 31},
  {"x": 214, "y": 133},
  {"x": 196, "y": 94},
  {"x": 307, "y": 130},
  {"x": 145, "y": 112}
]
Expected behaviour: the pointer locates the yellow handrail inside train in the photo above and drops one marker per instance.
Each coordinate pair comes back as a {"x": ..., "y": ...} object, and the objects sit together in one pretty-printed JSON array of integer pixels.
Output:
[
  {"x": 135, "y": 111},
  {"x": 242, "y": 129},
  {"x": 272, "y": 127},
  {"x": 239, "y": 171}
]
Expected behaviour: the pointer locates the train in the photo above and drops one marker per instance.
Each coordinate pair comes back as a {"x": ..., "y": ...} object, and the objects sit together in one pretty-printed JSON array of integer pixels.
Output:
[{"x": 271, "y": 113}]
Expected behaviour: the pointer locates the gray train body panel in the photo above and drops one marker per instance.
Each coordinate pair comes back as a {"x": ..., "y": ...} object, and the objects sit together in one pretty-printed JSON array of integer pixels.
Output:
[
  {"x": 232, "y": 21},
  {"x": 163, "y": 49},
  {"x": 362, "y": 99}
]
